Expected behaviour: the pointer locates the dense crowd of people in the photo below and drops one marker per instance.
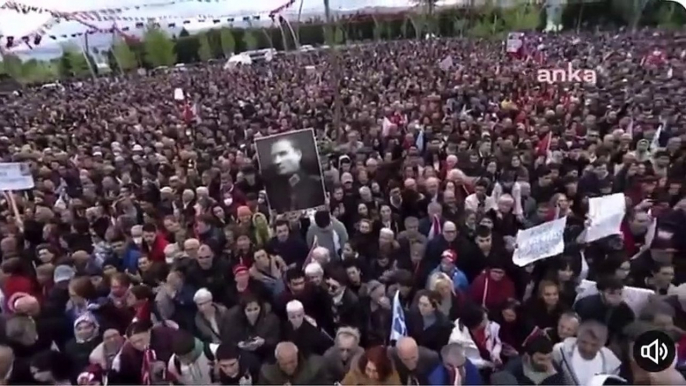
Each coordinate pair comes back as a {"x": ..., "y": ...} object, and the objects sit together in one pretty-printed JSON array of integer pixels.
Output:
[{"x": 147, "y": 252}]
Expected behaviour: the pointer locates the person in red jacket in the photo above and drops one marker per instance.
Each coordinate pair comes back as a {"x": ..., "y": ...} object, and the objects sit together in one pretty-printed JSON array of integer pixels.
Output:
[
  {"x": 17, "y": 281},
  {"x": 154, "y": 243},
  {"x": 492, "y": 287}
]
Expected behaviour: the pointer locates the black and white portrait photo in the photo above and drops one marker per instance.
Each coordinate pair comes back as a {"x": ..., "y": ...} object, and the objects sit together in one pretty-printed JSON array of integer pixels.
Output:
[{"x": 289, "y": 164}]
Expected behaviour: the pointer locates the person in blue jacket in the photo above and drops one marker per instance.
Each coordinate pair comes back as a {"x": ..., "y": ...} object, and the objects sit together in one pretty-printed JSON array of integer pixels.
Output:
[{"x": 454, "y": 362}]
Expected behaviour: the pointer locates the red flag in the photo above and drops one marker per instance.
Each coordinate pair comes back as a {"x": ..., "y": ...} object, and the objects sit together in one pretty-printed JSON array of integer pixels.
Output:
[
  {"x": 188, "y": 113},
  {"x": 310, "y": 254},
  {"x": 544, "y": 145}
]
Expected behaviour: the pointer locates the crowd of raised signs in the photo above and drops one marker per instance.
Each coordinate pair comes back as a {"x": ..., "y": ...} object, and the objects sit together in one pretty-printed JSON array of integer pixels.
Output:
[{"x": 480, "y": 227}]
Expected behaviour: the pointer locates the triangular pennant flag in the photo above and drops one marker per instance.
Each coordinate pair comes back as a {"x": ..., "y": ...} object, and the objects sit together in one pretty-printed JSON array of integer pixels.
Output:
[{"x": 446, "y": 63}]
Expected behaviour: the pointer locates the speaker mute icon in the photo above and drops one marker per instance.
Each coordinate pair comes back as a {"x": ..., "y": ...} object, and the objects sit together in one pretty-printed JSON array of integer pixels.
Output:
[{"x": 654, "y": 351}]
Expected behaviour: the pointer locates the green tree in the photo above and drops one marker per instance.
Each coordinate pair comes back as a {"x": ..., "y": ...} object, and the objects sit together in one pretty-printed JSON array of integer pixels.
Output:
[
  {"x": 267, "y": 36},
  {"x": 159, "y": 48},
  {"x": 12, "y": 66},
  {"x": 429, "y": 22},
  {"x": 72, "y": 62},
  {"x": 204, "y": 49},
  {"x": 459, "y": 26},
  {"x": 522, "y": 17},
  {"x": 405, "y": 28},
  {"x": 378, "y": 29},
  {"x": 228, "y": 42},
  {"x": 250, "y": 40},
  {"x": 124, "y": 56},
  {"x": 339, "y": 35},
  {"x": 80, "y": 66},
  {"x": 630, "y": 11},
  {"x": 35, "y": 71},
  {"x": 482, "y": 28},
  {"x": 419, "y": 24},
  {"x": 666, "y": 16},
  {"x": 187, "y": 49},
  {"x": 64, "y": 65}
]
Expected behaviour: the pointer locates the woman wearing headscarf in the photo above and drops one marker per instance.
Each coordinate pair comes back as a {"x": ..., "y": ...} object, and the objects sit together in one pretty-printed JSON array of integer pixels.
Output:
[{"x": 86, "y": 339}]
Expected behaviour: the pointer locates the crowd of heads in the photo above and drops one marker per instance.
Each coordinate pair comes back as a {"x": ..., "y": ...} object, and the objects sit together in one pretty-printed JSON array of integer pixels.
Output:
[{"x": 150, "y": 228}]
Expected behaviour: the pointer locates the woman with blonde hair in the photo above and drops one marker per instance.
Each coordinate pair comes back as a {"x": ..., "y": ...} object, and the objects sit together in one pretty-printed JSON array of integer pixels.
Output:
[{"x": 451, "y": 300}]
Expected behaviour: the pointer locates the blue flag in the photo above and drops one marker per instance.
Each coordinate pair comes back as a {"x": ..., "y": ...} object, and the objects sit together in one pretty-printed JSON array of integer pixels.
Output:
[{"x": 398, "y": 326}]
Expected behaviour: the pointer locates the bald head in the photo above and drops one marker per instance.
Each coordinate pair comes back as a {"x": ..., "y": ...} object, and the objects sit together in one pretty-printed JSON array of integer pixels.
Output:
[
  {"x": 406, "y": 344},
  {"x": 408, "y": 352},
  {"x": 191, "y": 244}
]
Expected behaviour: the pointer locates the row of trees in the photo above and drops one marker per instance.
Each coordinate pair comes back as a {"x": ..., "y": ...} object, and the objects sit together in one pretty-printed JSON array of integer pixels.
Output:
[{"x": 156, "y": 48}]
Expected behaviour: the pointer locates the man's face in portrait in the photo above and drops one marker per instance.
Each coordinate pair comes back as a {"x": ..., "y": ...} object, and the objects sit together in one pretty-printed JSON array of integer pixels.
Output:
[{"x": 285, "y": 157}]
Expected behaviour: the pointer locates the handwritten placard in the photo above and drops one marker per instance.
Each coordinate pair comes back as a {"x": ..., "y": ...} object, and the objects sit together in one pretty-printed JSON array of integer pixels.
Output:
[
  {"x": 539, "y": 242},
  {"x": 15, "y": 176},
  {"x": 605, "y": 215}
]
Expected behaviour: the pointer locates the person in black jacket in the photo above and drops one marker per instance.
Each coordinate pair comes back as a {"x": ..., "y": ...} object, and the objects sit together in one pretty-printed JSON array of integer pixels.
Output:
[
  {"x": 429, "y": 326},
  {"x": 303, "y": 331},
  {"x": 291, "y": 247},
  {"x": 211, "y": 272},
  {"x": 13, "y": 371},
  {"x": 235, "y": 367},
  {"x": 346, "y": 310},
  {"x": 536, "y": 363},
  {"x": 607, "y": 306}
]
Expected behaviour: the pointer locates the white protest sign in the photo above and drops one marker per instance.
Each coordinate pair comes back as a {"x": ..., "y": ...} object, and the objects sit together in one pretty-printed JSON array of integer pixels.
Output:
[
  {"x": 446, "y": 63},
  {"x": 649, "y": 237},
  {"x": 15, "y": 176},
  {"x": 178, "y": 94},
  {"x": 539, "y": 242},
  {"x": 606, "y": 214},
  {"x": 514, "y": 42},
  {"x": 634, "y": 297}
]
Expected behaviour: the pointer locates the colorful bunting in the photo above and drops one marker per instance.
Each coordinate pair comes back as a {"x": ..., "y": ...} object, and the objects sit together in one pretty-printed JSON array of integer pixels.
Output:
[{"x": 281, "y": 8}]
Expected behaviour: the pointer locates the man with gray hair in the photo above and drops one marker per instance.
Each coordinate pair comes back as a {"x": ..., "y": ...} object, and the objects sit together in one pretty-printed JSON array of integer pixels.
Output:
[
  {"x": 344, "y": 353},
  {"x": 432, "y": 225},
  {"x": 455, "y": 368},
  {"x": 586, "y": 355},
  {"x": 321, "y": 255},
  {"x": 292, "y": 368}
]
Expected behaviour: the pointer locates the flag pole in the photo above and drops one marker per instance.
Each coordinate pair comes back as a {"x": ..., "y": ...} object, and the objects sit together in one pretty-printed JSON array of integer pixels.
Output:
[{"x": 84, "y": 50}]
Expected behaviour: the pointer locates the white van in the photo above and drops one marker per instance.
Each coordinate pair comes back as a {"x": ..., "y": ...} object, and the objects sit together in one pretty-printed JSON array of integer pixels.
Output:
[
  {"x": 235, "y": 60},
  {"x": 265, "y": 54}
]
